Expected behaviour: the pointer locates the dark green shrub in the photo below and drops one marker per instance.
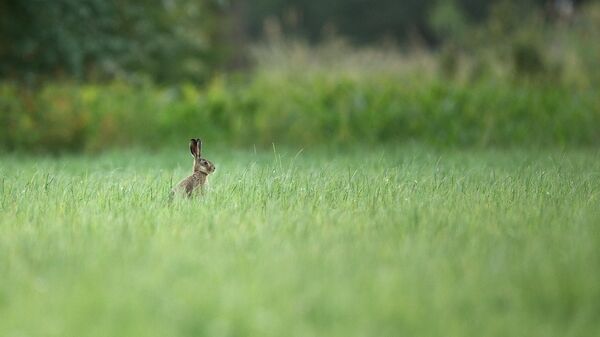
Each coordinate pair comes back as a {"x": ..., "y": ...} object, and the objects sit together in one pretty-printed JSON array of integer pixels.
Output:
[{"x": 528, "y": 60}]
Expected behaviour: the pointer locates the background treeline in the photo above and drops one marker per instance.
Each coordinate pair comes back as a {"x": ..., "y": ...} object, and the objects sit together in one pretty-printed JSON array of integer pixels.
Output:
[
  {"x": 98, "y": 40},
  {"x": 84, "y": 75},
  {"x": 175, "y": 40}
]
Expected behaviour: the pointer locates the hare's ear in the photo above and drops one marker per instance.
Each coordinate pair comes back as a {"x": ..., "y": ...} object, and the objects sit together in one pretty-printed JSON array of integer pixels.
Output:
[
  {"x": 194, "y": 147},
  {"x": 199, "y": 145}
]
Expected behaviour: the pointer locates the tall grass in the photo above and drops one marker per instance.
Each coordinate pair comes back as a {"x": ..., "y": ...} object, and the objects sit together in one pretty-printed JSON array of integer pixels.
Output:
[{"x": 373, "y": 241}]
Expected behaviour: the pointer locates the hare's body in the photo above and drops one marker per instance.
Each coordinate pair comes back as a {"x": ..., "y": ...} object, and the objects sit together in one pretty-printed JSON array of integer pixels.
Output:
[
  {"x": 191, "y": 184},
  {"x": 202, "y": 168}
]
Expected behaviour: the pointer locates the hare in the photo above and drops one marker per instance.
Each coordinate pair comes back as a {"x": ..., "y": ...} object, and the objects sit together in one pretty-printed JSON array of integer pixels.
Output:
[{"x": 202, "y": 168}]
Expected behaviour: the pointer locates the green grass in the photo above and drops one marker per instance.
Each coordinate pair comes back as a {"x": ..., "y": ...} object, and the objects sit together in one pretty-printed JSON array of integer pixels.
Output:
[{"x": 367, "y": 242}]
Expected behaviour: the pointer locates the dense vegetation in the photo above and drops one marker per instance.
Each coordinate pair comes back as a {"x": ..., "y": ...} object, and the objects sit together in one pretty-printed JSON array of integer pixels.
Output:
[
  {"x": 97, "y": 40},
  {"x": 486, "y": 83},
  {"x": 302, "y": 110},
  {"x": 371, "y": 242}
]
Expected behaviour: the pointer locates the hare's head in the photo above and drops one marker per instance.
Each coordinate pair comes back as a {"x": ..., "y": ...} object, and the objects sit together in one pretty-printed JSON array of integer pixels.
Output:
[{"x": 200, "y": 164}]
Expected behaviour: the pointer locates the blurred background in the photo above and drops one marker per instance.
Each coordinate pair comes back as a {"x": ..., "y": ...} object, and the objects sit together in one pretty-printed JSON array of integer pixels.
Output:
[{"x": 89, "y": 75}]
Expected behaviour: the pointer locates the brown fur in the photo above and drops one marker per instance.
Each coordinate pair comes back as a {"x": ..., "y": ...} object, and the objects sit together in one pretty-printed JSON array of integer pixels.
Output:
[{"x": 202, "y": 168}]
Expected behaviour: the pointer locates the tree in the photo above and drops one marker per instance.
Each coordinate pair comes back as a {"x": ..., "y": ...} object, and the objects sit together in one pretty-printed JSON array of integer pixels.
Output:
[{"x": 167, "y": 40}]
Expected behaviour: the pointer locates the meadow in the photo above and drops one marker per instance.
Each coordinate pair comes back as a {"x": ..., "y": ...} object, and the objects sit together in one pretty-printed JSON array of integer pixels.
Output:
[{"x": 368, "y": 241}]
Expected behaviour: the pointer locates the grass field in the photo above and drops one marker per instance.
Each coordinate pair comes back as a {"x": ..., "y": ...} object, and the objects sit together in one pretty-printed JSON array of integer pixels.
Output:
[{"x": 368, "y": 242}]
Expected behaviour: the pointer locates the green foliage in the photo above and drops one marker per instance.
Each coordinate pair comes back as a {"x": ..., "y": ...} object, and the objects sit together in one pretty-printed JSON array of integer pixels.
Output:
[
  {"x": 448, "y": 20},
  {"x": 522, "y": 39},
  {"x": 527, "y": 59},
  {"x": 98, "y": 39},
  {"x": 375, "y": 242},
  {"x": 300, "y": 110}
]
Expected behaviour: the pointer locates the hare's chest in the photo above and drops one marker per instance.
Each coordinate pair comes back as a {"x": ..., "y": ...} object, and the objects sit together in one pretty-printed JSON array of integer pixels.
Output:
[{"x": 199, "y": 180}]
